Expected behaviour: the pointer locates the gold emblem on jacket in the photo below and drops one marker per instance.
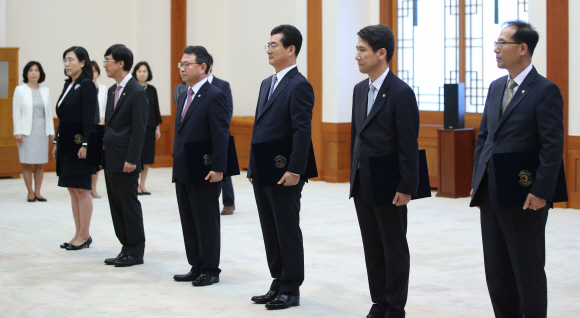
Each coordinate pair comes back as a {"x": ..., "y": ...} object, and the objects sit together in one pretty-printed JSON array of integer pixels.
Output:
[
  {"x": 78, "y": 139},
  {"x": 526, "y": 178},
  {"x": 207, "y": 160},
  {"x": 280, "y": 161}
]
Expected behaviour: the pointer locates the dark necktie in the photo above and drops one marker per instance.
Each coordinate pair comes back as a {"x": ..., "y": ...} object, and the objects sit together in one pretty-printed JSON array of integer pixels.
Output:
[{"x": 189, "y": 99}]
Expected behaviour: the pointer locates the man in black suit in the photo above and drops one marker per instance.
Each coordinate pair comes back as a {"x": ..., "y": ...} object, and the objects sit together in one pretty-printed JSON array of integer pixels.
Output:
[
  {"x": 227, "y": 186},
  {"x": 202, "y": 116},
  {"x": 284, "y": 112},
  {"x": 125, "y": 125},
  {"x": 385, "y": 119},
  {"x": 523, "y": 113}
]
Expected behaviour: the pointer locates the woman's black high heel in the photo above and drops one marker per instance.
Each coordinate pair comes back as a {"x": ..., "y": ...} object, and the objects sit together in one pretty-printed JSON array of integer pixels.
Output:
[
  {"x": 86, "y": 244},
  {"x": 64, "y": 245}
]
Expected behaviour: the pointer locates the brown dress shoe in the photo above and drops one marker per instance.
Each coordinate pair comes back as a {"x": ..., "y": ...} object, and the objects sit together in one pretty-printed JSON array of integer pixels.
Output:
[{"x": 227, "y": 210}]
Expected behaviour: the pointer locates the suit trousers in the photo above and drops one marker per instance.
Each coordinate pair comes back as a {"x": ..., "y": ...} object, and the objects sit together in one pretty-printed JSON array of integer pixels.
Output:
[
  {"x": 514, "y": 251},
  {"x": 126, "y": 211},
  {"x": 384, "y": 235},
  {"x": 227, "y": 191},
  {"x": 198, "y": 204},
  {"x": 279, "y": 211}
]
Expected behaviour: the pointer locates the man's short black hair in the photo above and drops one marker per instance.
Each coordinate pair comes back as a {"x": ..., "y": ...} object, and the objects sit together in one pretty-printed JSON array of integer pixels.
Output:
[
  {"x": 210, "y": 62},
  {"x": 290, "y": 36},
  {"x": 120, "y": 52},
  {"x": 149, "y": 74},
  {"x": 82, "y": 55},
  {"x": 525, "y": 33},
  {"x": 201, "y": 55},
  {"x": 379, "y": 36},
  {"x": 27, "y": 68}
]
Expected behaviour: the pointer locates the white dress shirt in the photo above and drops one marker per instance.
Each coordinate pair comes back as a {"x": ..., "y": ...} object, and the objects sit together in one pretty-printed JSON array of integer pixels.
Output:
[
  {"x": 280, "y": 75},
  {"x": 195, "y": 89},
  {"x": 378, "y": 82},
  {"x": 519, "y": 80}
]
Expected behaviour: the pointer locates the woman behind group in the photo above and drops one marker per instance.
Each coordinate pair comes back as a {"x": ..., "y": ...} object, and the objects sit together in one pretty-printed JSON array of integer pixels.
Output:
[
  {"x": 102, "y": 99},
  {"x": 142, "y": 73},
  {"x": 33, "y": 127},
  {"x": 77, "y": 107}
]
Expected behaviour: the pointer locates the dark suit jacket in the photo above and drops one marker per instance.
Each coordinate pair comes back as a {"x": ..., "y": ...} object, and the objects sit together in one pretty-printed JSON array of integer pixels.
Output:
[
  {"x": 225, "y": 87},
  {"x": 207, "y": 119},
  {"x": 80, "y": 107},
  {"x": 286, "y": 115},
  {"x": 125, "y": 126},
  {"x": 391, "y": 126},
  {"x": 532, "y": 122},
  {"x": 154, "y": 117}
]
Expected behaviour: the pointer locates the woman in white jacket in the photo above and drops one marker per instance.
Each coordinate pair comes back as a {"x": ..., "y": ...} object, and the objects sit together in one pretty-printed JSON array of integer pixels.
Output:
[{"x": 33, "y": 127}]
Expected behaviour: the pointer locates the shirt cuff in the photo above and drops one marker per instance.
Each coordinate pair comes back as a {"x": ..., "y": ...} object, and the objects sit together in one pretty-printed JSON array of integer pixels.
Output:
[{"x": 294, "y": 173}]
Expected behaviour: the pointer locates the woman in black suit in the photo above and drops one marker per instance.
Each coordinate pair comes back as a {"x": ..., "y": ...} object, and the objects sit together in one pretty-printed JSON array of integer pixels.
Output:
[
  {"x": 77, "y": 113},
  {"x": 142, "y": 73}
]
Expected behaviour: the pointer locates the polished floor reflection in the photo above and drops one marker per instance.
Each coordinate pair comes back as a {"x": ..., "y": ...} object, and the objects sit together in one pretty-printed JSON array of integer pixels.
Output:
[{"x": 39, "y": 279}]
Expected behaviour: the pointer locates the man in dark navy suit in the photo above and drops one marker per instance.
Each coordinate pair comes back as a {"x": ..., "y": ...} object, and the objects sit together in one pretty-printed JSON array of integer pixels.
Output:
[
  {"x": 202, "y": 116},
  {"x": 227, "y": 186},
  {"x": 385, "y": 120},
  {"x": 523, "y": 113},
  {"x": 125, "y": 125},
  {"x": 284, "y": 112}
]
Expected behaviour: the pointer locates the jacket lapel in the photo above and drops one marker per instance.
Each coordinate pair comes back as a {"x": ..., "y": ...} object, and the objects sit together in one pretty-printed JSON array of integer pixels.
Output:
[
  {"x": 278, "y": 89},
  {"x": 522, "y": 91},
  {"x": 199, "y": 95},
  {"x": 379, "y": 101},
  {"x": 126, "y": 91},
  {"x": 68, "y": 95},
  {"x": 263, "y": 98}
]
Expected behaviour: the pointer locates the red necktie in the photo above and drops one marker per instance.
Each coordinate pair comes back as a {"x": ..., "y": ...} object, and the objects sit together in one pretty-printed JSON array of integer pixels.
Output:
[{"x": 189, "y": 99}]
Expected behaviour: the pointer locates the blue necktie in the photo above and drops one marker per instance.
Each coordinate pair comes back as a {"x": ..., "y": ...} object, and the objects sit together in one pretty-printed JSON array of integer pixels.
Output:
[
  {"x": 371, "y": 98},
  {"x": 274, "y": 81}
]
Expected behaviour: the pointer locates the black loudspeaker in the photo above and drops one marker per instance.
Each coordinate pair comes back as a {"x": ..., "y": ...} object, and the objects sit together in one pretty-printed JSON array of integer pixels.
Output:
[{"x": 454, "y": 106}]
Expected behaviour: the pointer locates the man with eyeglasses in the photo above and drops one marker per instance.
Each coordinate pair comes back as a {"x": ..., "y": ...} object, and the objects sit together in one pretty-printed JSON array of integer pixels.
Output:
[
  {"x": 125, "y": 125},
  {"x": 283, "y": 118},
  {"x": 523, "y": 114},
  {"x": 202, "y": 120}
]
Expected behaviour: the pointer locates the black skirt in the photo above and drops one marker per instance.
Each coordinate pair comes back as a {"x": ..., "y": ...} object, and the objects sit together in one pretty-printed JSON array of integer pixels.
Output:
[
  {"x": 77, "y": 182},
  {"x": 149, "y": 147}
]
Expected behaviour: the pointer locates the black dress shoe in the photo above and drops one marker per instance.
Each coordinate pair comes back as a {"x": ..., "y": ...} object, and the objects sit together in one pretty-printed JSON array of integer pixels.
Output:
[
  {"x": 111, "y": 261},
  {"x": 64, "y": 245},
  {"x": 128, "y": 260},
  {"x": 205, "y": 280},
  {"x": 86, "y": 244},
  {"x": 283, "y": 301},
  {"x": 264, "y": 299},
  {"x": 41, "y": 199},
  {"x": 31, "y": 200},
  {"x": 186, "y": 277}
]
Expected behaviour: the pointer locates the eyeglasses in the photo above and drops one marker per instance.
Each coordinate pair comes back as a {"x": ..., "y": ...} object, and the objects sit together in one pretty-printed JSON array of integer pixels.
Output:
[
  {"x": 106, "y": 61},
  {"x": 500, "y": 44},
  {"x": 270, "y": 46},
  {"x": 186, "y": 64},
  {"x": 69, "y": 60}
]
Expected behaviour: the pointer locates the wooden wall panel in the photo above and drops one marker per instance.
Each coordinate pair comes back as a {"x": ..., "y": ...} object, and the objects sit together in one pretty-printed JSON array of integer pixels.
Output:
[
  {"x": 241, "y": 128},
  {"x": 573, "y": 172},
  {"x": 335, "y": 162},
  {"x": 314, "y": 61},
  {"x": 9, "y": 164}
]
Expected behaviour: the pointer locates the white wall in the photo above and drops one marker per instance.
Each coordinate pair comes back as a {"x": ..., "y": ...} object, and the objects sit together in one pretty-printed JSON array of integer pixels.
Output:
[
  {"x": 574, "y": 69},
  {"x": 341, "y": 22},
  {"x": 2, "y": 23},
  {"x": 235, "y": 32},
  {"x": 537, "y": 17},
  {"x": 44, "y": 29}
]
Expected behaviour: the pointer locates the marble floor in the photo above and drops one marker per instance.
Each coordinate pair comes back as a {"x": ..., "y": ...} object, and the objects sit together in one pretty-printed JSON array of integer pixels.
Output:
[{"x": 38, "y": 279}]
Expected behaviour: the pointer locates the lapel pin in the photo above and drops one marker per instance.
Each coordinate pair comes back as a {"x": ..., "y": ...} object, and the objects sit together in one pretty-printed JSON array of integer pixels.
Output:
[
  {"x": 524, "y": 91},
  {"x": 198, "y": 95},
  {"x": 123, "y": 94},
  {"x": 384, "y": 95}
]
